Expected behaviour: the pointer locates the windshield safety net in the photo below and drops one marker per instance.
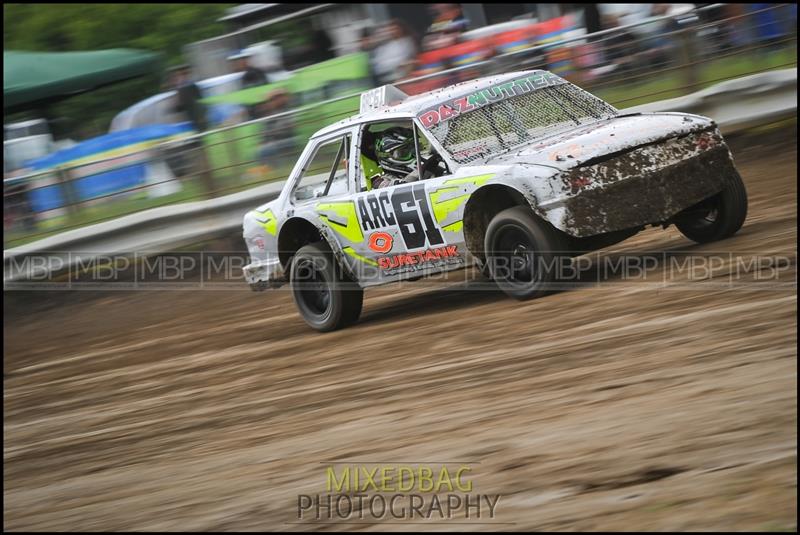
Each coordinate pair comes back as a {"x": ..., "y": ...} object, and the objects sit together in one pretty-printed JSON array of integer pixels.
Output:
[{"x": 496, "y": 127}]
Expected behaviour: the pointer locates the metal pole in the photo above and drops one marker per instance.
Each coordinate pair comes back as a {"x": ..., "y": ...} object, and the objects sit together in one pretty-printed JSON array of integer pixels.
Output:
[
  {"x": 233, "y": 155},
  {"x": 69, "y": 191},
  {"x": 206, "y": 175},
  {"x": 686, "y": 38}
]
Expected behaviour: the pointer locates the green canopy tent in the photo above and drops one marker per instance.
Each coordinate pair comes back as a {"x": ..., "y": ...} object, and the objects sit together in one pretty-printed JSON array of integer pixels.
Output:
[{"x": 32, "y": 78}]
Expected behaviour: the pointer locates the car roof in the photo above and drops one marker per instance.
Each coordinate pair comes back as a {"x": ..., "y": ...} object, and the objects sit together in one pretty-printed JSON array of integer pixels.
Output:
[{"x": 415, "y": 104}]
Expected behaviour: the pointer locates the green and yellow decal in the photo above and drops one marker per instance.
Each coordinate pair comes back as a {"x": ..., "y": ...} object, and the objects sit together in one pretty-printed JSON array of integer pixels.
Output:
[
  {"x": 350, "y": 251},
  {"x": 443, "y": 208},
  {"x": 267, "y": 220},
  {"x": 341, "y": 217}
]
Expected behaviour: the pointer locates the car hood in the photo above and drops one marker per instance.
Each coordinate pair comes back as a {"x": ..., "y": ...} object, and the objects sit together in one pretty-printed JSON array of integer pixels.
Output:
[{"x": 576, "y": 146}]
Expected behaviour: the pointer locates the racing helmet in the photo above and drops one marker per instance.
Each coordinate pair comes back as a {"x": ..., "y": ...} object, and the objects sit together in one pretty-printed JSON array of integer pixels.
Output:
[{"x": 395, "y": 150}]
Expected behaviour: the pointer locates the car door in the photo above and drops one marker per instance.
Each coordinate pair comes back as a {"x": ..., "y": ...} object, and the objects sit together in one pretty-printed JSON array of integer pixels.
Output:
[
  {"x": 410, "y": 229},
  {"x": 321, "y": 192}
]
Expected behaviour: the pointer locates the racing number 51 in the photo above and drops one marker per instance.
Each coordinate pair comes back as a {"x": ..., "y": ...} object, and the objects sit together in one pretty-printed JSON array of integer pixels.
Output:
[{"x": 414, "y": 229}]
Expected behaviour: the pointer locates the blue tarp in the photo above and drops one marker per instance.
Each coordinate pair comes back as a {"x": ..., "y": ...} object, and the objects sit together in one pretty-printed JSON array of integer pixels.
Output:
[
  {"x": 109, "y": 142},
  {"x": 103, "y": 183}
]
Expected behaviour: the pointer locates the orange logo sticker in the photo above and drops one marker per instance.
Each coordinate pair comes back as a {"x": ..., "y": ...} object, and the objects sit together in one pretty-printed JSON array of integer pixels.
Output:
[{"x": 381, "y": 242}]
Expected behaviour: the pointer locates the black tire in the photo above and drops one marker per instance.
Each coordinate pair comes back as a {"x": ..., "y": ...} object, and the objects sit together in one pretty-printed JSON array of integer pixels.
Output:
[
  {"x": 354, "y": 302},
  {"x": 326, "y": 298},
  {"x": 717, "y": 217},
  {"x": 523, "y": 253}
]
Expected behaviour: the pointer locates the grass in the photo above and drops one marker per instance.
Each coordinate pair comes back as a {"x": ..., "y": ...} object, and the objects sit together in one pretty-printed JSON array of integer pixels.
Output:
[{"x": 233, "y": 153}]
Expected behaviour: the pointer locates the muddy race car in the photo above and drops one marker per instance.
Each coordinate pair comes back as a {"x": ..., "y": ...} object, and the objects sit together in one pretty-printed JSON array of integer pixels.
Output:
[{"x": 514, "y": 173}]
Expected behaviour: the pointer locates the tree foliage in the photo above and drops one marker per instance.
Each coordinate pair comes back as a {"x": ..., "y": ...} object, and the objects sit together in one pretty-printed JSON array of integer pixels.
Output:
[{"x": 163, "y": 28}]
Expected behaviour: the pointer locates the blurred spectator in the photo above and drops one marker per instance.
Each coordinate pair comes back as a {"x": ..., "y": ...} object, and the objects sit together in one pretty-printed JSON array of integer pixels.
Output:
[
  {"x": 589, "y": 55},
  {"x": 620, "y": 46},
  {"x": 591, "y": 19},
  {"x": 320, "y": 47},
  {"x": 660, "y": 36},
  {"x": 278, "y": 141},
  {"x": 366, "y": 44},
  {"x": 253, "y": 76},
  {"x": 394, "y": 54},
  {"x": 659, "y": 43},
  {"x": 189, "y": 97},
  {"x": 635, "y": 15},
  {"x": 448, "y": 25},
  {"x": 642, "y": 38}
]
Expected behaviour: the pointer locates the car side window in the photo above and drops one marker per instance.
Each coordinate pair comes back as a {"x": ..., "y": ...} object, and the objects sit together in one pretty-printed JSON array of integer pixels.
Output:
[
  {"x": 438, "y": 166},
  {"x": 399, "y": 160},
  {"x": 326, "y": 172},
  {"x": 370, "y": 163}
]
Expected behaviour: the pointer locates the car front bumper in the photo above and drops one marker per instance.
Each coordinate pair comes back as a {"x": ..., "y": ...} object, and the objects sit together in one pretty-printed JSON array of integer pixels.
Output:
[
  {"x": 645, "y": 186},
  {"x": 264, "y": 274}
]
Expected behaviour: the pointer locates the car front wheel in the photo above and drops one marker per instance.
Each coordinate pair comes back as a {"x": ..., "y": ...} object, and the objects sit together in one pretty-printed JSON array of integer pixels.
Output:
[
  {"x": 717, "y": 217},
  {"x": 523, "y": 253},
  {"x": 326, "y": 298}
]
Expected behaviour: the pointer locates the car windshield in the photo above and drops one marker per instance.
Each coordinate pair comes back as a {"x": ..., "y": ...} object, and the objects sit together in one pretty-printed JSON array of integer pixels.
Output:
[{"x": 496, "y": 127}]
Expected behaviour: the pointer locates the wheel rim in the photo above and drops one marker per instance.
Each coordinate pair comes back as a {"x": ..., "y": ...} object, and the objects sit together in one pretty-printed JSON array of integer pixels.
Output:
[
  {"x": 711, "y": 216},
  {"x": 514, "y": 256},
  {"x": 313, "y": 290},
  {"x": 704, "y": 215}
]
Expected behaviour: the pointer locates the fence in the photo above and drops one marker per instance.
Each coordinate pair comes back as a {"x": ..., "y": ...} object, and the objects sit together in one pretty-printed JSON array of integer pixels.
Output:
[{"x": 664, "y": 57}]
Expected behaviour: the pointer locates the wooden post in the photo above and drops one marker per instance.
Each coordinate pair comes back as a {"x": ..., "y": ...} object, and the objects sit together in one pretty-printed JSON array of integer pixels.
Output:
[
  {"x": 687, "y": 47},
  {"x": 68, "y": 188}
]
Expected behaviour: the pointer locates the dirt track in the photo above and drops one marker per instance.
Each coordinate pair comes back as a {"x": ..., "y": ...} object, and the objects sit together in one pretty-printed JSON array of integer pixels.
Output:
[{"x": 614, "y": 406}]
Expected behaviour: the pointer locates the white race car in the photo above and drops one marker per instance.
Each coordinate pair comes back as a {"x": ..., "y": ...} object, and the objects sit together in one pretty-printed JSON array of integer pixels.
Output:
[{"x": 511, "y": 172}]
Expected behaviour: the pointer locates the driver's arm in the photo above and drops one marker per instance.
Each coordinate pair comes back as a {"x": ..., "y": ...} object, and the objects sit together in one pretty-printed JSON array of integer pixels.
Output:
[
  {"x": 430, "y": 170},
  {"x": 413, "y": 176}
]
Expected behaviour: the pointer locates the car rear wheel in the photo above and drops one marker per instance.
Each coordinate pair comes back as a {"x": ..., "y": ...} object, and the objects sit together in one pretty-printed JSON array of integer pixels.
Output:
[
  {"x": 717, "y": 217},
  {"x": 523, "y": 253},
  {"x": 326, "y": 298}
]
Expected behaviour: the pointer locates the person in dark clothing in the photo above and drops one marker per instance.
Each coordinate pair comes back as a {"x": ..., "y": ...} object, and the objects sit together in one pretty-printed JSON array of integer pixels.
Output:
[
  {"x": 448, "y": 25},
  {"x": 591, "y": 18},
  {"x": 278, "y": 142},
  {"x": 322, "y": 46},
  {"x": 367, "y": 45},
  {"x": 253, "y": 76},
  {"x": 189, "y": 97},
  {"x": 621, "y": 47}
]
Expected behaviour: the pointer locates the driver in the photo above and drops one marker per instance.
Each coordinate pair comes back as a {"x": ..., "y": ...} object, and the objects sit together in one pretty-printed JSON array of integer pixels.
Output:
[{"x": 388, "y": 157}]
